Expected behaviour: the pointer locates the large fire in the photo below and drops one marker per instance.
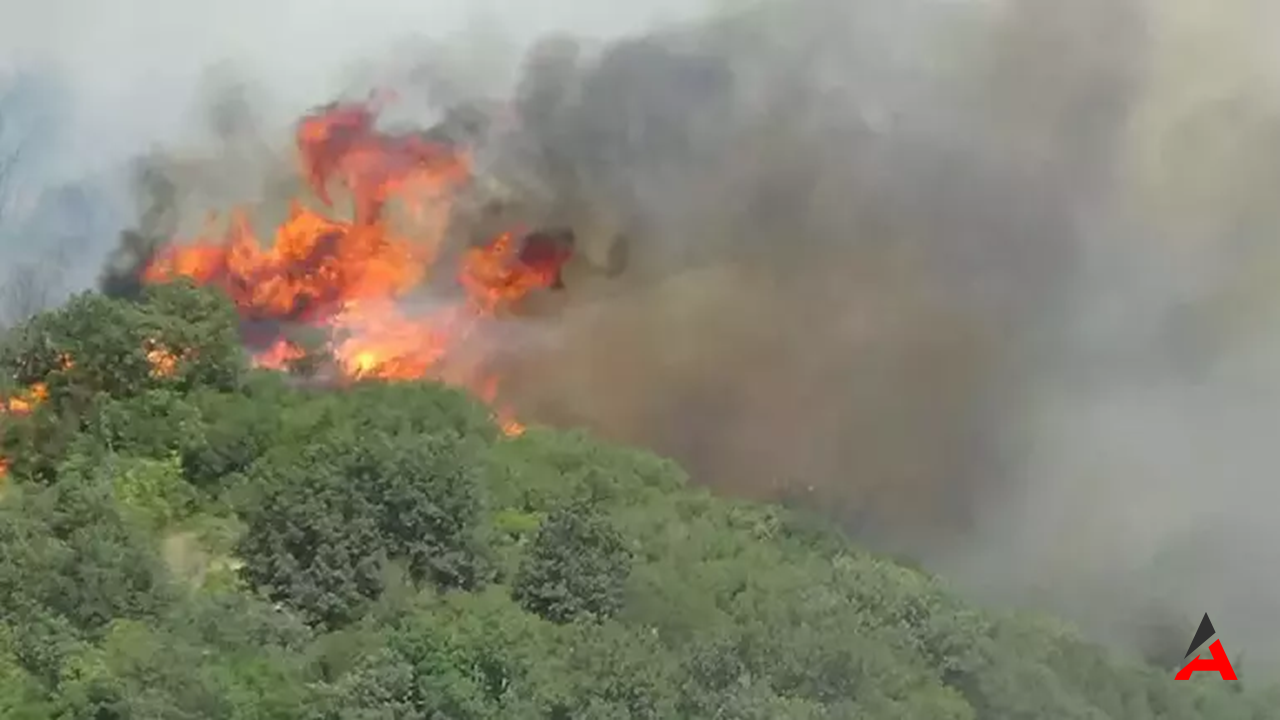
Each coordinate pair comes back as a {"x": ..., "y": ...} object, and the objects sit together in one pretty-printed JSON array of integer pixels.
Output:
[{"x": 350, "y": 277}]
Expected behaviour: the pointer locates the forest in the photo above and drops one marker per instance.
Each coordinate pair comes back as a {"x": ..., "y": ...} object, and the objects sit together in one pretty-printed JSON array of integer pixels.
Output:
[{"x": 186, "y": 537}]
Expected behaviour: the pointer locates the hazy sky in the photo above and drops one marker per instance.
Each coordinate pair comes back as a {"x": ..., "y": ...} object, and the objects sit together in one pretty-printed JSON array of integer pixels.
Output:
[{"x": 133, "y": 63}]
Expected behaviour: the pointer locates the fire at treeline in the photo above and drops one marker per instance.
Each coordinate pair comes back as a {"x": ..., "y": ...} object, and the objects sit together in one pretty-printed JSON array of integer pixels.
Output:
[{"x": 340, "y": 279}]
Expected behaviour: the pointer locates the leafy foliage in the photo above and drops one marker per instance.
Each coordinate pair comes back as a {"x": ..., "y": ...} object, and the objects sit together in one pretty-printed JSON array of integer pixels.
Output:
[
  {"x": 577, "y": 567},
  {"x": 325, "y": 519},
  {"x": 216, "y": 542}
]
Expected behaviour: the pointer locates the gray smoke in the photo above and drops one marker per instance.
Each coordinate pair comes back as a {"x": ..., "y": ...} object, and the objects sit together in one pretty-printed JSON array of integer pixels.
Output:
[
  {"x": 850, "y": 254},
  {"x": 956, "y": 273}
]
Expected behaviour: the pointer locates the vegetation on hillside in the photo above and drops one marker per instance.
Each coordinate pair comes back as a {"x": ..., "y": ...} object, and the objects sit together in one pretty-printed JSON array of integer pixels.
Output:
[{"x": 183, "y": 537}]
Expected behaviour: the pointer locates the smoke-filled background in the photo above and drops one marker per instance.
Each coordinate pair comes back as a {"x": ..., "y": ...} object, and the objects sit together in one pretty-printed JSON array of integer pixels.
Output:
[{"x": 991, "y": 282}]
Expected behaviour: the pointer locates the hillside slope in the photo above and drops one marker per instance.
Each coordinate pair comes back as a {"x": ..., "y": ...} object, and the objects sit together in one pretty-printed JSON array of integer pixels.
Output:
[{"x": 181, "y": 537}]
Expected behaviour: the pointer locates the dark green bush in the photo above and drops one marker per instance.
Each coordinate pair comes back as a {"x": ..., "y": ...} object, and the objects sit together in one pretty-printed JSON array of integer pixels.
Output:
[
  {"x": 324, "y": 519},
  {"x": 577, "y": 567},
  {"x": 222, "y": 544}
]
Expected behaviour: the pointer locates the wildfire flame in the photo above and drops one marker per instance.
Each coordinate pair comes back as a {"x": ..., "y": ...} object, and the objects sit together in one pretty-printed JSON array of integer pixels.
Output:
[
  {"x": 24, "y": 402},
  {"x": 164, "y": 362},
  {"x": 349, "y": 277}
]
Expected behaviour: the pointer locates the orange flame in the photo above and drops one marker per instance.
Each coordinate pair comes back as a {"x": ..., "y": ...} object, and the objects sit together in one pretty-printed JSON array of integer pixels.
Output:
[
  {"x": 163, "y": 364},
  {"x": 348, "y": 278},
  {"x": 26, "y": 401},
  {"x": 21, "y": 404}
]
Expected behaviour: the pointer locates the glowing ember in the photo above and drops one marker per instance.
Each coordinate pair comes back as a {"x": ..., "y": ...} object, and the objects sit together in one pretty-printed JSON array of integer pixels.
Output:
[
  {"x": 21, "y": 404},
  {"x": 279, "y": 355},
  {"x": 350, "y": 278},
  {"x": 163, "y": 361}
]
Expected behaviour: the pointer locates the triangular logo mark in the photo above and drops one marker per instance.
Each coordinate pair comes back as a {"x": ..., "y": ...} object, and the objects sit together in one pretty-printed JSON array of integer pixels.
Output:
[{"x": 1205, "y": 632}]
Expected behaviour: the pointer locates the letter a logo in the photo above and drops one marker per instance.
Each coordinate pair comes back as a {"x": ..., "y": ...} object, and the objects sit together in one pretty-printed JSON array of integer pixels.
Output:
[{"x": 1218, "y": 662}]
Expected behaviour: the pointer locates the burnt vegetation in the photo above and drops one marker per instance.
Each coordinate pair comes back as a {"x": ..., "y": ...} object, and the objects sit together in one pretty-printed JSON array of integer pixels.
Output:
[{"x": 198, "y": 539}]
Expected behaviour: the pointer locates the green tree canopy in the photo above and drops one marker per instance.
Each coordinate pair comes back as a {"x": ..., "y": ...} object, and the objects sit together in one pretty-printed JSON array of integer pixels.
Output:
[{"x": 213, "y": 542}]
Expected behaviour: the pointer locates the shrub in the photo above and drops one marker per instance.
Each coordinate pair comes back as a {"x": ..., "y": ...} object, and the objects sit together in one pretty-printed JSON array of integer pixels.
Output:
[{"x": 577, "y": 567}]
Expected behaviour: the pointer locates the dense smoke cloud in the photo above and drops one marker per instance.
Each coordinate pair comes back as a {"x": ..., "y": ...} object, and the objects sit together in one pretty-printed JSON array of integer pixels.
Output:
[
  {"x": 991, "y": 284},
  {"x": 854, "y": 251},
  {"x": 987, "y": 281}
]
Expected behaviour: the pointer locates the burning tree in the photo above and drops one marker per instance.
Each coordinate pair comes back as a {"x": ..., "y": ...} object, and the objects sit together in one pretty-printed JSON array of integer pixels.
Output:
[{"x": 355, "y": 279}]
